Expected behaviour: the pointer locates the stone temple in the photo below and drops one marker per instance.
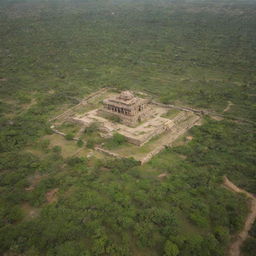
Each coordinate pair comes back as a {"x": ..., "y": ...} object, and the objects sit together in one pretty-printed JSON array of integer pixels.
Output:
[
  {"x": 141, "y": 119},
  {"x": 130, "y": 109}
]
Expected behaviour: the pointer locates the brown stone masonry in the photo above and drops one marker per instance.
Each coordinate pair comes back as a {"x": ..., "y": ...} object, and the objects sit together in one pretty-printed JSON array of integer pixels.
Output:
[{"x": 130, "y": 109}]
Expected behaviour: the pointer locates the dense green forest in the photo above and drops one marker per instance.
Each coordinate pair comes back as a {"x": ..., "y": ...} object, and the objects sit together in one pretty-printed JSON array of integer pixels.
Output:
[{"x": 200, "y": 54}]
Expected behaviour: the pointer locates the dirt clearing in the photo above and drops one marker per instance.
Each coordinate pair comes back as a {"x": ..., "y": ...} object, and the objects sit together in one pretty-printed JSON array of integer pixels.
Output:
[{"x": 51, "y": 196}]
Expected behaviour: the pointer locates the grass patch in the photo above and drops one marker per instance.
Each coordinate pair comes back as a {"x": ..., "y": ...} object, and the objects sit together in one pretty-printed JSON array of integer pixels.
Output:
[
  {"x": 171, "y": 113},
  {"x": 68, "y": 147},
  {"x": 69, "y": 128}
]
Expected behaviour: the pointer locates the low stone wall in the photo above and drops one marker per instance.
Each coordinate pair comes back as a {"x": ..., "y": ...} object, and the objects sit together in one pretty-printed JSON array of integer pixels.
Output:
[
  {"x": 172, "y": 139},
  {"x": 57, "y": 131},
  {"x": 61, "y": 133},
  {"x": 107, "y": 152},
  {"x": 177, "y": 107},
  {"x": 100, "y": 91},
  {"x": 83, "y": 101},
  {"x": 134, "y": 141},
  {"x": 151, "y": 154},
  {"x": 140, "y": 142},
  {"x": 158, "y": 131}
]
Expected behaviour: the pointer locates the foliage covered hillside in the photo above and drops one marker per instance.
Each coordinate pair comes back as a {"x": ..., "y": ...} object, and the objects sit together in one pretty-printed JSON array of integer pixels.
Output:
[{"x": 194, "y": 53}]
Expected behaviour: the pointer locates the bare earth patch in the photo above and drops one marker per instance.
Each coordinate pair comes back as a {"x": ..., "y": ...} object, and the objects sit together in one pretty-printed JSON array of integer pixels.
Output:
[
  {"x": 182, "y": 156},
  {"x": 217, "y": 118},
  {"x": 51, "y": 91},
  {"x": 228, "y": 106},
  {"x": 29, "y": 211},
  {"x": 51, "y": 196},
  {"x": 180, "y": 142},
  {"x": 162, "y": 175},
  {"x": 189, "y": 138}
]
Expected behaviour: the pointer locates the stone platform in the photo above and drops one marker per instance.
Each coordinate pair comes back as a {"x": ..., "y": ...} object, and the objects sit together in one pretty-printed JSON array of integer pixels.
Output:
[{"x": 138, "y": 135}]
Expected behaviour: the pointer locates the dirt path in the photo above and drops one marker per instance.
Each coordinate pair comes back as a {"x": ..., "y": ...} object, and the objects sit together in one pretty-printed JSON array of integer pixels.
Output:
[
  {"x": 234, "y": 249},
  {"x": 228, "y": 106}
]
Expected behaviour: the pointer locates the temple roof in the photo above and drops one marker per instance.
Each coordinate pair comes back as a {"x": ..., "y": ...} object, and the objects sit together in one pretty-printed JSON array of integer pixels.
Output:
[
  {"x": 126, "y": 95},
  {"x": 125, "y": 98}
]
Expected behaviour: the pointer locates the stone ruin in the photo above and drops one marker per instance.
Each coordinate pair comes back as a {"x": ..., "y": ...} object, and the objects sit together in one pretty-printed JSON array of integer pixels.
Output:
[
  {"x": 140, "y": 118},
  {"x": 130, "y": 109}
]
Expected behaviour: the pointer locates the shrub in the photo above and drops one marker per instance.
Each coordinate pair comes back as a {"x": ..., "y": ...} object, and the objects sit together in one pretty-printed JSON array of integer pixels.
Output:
[
  {"x": 80, "y": 143},
  {"x": 252, "y": 232},
  {"x": 75, "y": 161},
  {"x": 90, "y": 143},
  {"x": 56, "y": 149},
  {"x": 170, "y": 249},
  {"x": 117, "y": 140},
  {"x": 249, "y": 247}
]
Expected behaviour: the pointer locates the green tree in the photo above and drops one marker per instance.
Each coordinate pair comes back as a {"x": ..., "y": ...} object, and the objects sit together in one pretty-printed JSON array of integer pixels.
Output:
[
  {"x": 249, "y": 247},
  {"x": 222, "y": 234},
  {"x": 253, "y": 230},
  {"x": 171, "y": 249}
]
